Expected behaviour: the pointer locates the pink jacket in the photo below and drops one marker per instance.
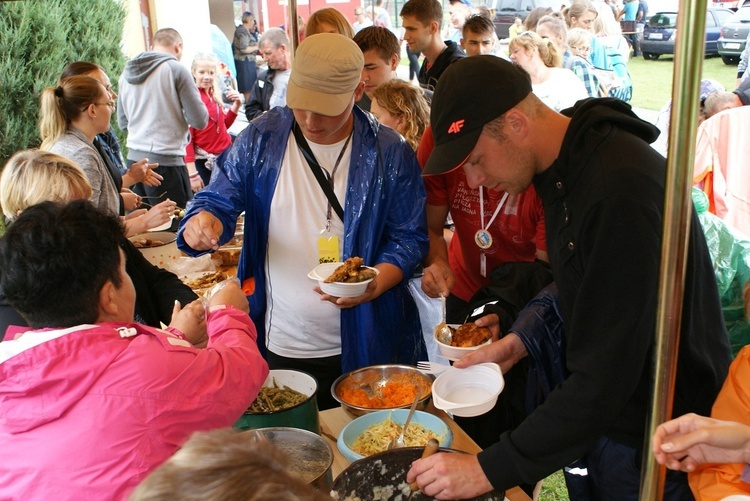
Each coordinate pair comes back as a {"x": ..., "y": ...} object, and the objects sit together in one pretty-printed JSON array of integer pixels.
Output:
[{"x": 87, "y": 412}]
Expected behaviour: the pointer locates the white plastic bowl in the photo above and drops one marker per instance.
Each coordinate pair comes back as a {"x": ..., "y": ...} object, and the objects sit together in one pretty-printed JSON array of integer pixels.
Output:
[
  {"x": 163, "y": 253},
  {"x": 338, "y": 289},
  {"x": 468, "y": 392},
  {"x": 453, "y": 353}
]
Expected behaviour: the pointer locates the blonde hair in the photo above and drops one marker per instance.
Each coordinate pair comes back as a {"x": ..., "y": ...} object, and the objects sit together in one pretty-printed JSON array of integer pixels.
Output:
[
  {"x": 528, "y": 40},
  {"x": 229, "y": 465},
  {"x": 405, "y": 101},
  {"x": 31, "y": 177},
  {"x": 60, "y": 105},
  {"x": 330, "y": 16},
  {"x": 576, "y": 36},
  {"x": 605, "y": 23},
  {"x": 209, "y": 59}
]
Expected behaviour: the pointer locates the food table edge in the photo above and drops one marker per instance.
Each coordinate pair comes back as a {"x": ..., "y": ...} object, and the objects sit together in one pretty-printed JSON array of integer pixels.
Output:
[{"x": 332, "y": 421}]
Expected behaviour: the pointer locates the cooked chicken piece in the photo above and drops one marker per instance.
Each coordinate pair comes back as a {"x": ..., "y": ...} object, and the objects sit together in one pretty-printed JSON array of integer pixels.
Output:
[
  {"x": 352, "y": 271},
  {"x": 469, "y": 335}
]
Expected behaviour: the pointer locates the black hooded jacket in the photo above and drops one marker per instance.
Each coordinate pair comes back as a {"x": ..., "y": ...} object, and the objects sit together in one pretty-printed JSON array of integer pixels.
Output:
[
  {"x": 429, "y": 74},
  {"x": 603, "y": 205}
]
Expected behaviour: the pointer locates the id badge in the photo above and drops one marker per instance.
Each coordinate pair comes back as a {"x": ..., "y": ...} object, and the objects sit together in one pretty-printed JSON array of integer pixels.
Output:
[
  {"x": 483, "y": 264},
  {"x": 328, "y": 249}
]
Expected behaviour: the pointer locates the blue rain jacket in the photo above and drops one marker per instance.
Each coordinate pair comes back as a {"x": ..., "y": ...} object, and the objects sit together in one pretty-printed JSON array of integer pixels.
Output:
[{"x": 384, "y": 222}]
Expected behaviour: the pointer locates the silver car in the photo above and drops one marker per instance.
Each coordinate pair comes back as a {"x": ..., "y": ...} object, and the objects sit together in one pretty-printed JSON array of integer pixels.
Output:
[{"x": 733, "y": 36}]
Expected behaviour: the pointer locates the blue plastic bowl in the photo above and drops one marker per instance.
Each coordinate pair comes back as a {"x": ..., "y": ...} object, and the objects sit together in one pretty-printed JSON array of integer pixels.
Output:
[{"x": 355, "y": 428}]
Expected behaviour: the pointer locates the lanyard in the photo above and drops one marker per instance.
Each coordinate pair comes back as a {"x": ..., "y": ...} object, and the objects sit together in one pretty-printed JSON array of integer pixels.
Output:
[
  {"x": 331, "y": 176},
  {"x": 482, "y": 237},
  {"x": 318, "y": 171},
  {"x": 481, "y": 209}
]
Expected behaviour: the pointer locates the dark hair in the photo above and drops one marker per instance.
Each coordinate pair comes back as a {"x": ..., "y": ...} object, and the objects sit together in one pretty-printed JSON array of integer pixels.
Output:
[
  {"x": 247, "y": 15},
  {"x": 425, "y": 11},
  {"x": 54, "y": 260},
  {"x": 479, "y": 25},
  {"x": 379, "y": 38},
  {"x": 79, "y": 68}
]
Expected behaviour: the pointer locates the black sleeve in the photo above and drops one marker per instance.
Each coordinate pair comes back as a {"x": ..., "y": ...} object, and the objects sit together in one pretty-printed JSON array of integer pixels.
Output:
[
  {"x": 254, "y": 106},
  {"x": 156, "y": 288}
]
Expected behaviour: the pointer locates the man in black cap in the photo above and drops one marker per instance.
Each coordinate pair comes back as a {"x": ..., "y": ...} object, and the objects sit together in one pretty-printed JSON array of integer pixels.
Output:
[{"x": 603, "y": 187}]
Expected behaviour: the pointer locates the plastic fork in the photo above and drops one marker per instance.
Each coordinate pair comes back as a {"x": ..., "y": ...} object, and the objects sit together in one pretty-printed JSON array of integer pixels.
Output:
[{"x": 432, "y": 367}]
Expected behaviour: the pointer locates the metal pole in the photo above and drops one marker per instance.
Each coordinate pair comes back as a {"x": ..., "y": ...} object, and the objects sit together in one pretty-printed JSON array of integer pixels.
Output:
[
  {"x": 688, "y": 66},
  {"x": 294, "y": 27}
]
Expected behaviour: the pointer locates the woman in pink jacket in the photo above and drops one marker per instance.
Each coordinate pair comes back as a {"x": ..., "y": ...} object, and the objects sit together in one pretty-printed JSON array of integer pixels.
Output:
[{"x": 91, "y": 401}]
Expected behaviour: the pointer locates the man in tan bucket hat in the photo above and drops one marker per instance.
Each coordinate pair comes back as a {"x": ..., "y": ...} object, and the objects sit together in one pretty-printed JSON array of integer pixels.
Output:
[{"x": 320, "y": 181}]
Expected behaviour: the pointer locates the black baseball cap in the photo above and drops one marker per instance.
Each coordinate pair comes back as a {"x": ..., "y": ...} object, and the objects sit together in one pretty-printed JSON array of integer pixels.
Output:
[
  {"x": 743, "y": 92},
  {"x": 472, "y": 92}
]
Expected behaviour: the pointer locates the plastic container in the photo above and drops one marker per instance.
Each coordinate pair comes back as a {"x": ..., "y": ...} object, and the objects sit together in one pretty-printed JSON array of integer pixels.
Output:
[
  {"x": 468, "y": 392},
  {"x": 338, "y": 289},
  {"x": 355, "y": 428},
  {"x": 453, "y": 353},
  {"x": 303, "y": 415},
  {"x": 159, "y": 254}
]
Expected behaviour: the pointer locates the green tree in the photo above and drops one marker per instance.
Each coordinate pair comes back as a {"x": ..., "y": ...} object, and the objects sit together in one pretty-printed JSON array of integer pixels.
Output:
[{"x": 37, "y": 39}]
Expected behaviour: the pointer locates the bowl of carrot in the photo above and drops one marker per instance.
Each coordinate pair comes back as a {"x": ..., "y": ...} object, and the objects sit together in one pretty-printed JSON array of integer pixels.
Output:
[{"x": 382, "y": 387}]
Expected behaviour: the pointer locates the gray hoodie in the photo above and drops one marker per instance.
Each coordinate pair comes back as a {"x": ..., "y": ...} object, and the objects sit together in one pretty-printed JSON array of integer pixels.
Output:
[{"x": 158, "y": 100}]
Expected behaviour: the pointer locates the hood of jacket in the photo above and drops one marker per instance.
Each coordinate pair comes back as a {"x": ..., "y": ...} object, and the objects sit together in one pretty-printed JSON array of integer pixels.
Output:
[
  {"x": 141, "y": 66},
  {"x": 594, "y": 121},
  {"x": 45, "y": 373},
  {"x": 597, "y": 116}
]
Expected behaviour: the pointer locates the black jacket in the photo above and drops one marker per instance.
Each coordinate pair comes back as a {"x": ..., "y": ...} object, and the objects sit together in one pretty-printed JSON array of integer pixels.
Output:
[
  {"x": 155, "y": 290},
  {"x": 260, "y": 96},
  {"x": 428, "y": 77},
  {"x": 603, "y": 206}
]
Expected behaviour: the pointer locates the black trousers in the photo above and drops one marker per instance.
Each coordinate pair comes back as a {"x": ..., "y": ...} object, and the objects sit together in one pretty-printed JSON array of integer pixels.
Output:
[
  {"x": 175, "y": 186},
  {"x": 203, "y": 172},
  {"x": 325, "y": 370}
]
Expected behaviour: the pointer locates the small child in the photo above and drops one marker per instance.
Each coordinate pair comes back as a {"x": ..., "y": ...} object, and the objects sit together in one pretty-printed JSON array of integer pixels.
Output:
[
  {"x": 208, "y": 143},
  {"x": 515, "y": 28}
]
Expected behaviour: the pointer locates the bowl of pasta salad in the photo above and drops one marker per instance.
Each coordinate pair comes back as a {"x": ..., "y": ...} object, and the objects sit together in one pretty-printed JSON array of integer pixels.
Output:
[{"x": 371, "y": 433}]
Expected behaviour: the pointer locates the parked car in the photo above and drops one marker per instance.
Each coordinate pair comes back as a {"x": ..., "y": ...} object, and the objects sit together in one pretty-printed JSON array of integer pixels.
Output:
[
  {"x": 660, "y": 33},
  {"x": 506, "y": 12},
  {"x": 734, "y": 35}
]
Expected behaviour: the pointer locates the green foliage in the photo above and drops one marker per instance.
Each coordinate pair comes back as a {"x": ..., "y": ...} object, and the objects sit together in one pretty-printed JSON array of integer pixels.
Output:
[
  {"x": 37, "y": 39},
  {"x": 554, "y": 488}
]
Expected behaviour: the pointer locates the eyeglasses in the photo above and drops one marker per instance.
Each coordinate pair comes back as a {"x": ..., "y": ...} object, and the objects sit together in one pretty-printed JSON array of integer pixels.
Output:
[{"x": 111, "y": 105}]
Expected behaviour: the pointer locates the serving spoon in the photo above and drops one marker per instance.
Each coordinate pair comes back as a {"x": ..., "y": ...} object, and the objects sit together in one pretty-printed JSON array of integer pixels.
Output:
[
  {"x": 399, "y": 441},
  {"x": 443, "y": 333}
]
